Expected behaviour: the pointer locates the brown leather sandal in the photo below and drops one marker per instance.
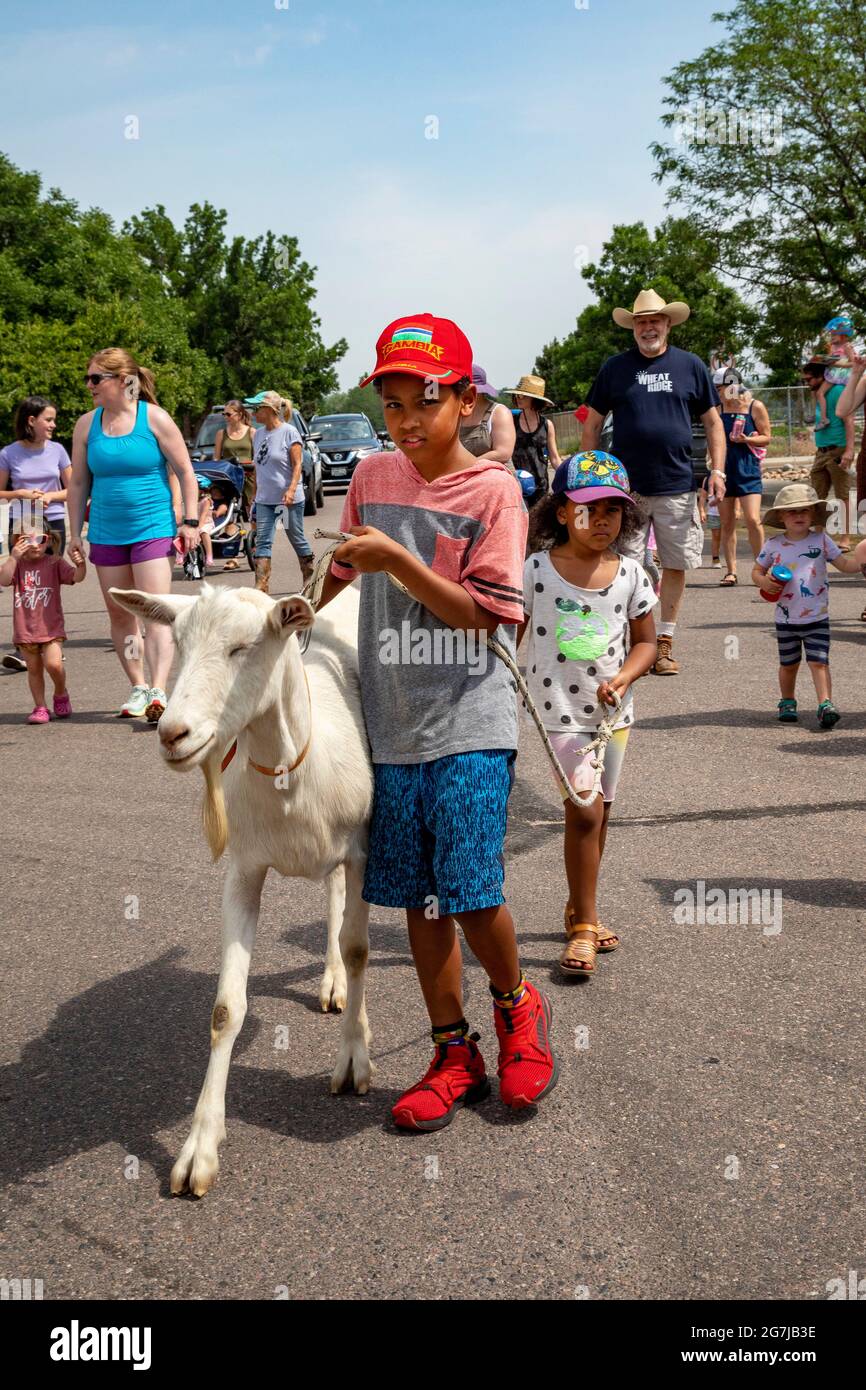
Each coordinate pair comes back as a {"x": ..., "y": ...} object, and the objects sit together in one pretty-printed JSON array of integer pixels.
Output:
[
  {"x": 606, "y": 941},
  {"x": 578, "y": 958}
]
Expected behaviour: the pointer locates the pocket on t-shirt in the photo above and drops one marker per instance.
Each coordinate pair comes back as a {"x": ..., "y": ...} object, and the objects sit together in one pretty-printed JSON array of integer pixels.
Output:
[{"x": 449, "y": 556}]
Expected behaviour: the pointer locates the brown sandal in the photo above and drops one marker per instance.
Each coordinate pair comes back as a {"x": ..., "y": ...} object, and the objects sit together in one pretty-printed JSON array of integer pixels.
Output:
[
  {"x": 578, "y": 958},
  {"x": 606, "y": 941}
]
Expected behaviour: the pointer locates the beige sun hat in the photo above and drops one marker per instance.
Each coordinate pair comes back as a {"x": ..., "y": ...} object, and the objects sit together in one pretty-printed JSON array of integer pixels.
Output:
[
  {"x": 529, "y": 386},
  {"x": 648, "y": 302},
  {"x": 791, "y": 496}
]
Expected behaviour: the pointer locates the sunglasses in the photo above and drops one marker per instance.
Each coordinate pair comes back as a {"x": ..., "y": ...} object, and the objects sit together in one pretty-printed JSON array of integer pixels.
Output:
[
  {"x": 36, "y": 540},
  {"x": 96, "y": 378}
]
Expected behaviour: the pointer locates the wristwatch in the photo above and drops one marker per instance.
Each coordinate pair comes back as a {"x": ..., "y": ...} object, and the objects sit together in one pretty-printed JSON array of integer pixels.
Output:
[{"x": 190, "y": 521}]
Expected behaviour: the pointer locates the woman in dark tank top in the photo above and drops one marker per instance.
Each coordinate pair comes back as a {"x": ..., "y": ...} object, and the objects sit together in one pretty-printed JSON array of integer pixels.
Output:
[
  {"x": 535, "y": 443},
  {"x": 238, "y": 447}
]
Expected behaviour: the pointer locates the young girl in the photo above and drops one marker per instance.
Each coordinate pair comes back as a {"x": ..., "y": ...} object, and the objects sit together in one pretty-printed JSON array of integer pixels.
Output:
[
  {"x": 589, "y": 611},
  {"x": 802, "y": 603},
  {"x": 36, "y": 571},
  {"x": 839, "y": 351},
  {"x": 709, "y": 513}
]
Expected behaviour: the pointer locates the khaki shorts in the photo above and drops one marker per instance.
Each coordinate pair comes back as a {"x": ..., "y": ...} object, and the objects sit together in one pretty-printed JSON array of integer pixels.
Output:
[
  {"x": 825, "y": 470},
  {"x": 678, "y": 530},
  {"x": 35, "y": 647}
]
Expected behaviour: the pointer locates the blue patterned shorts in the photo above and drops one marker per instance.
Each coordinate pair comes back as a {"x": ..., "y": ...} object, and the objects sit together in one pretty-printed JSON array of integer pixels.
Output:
[{"x": 438, "y": 831}]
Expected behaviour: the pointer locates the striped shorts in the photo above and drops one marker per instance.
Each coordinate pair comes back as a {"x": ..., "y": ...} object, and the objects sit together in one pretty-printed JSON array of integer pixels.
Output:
[{"x": 814, "y": 637}]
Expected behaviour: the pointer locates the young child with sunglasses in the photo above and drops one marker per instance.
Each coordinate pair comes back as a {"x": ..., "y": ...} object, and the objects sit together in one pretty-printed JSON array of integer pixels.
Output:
[{"x": 36, "y": 570}]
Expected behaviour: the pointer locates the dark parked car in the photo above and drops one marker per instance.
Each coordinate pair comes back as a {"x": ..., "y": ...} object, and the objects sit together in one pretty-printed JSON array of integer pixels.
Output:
[
  {"x": 699, "y": 448},
  {"x": 202, "y": 447},
  {"x": 344, "y": 441}
]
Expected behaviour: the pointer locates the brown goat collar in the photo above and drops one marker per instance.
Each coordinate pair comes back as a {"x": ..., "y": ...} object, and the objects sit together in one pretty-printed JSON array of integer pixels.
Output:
[{"x": 277, "y": 771}]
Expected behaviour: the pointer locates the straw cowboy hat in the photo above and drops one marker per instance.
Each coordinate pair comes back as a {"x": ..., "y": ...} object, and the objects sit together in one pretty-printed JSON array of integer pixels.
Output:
[
  {"x": 791, "y": 496},
  {"x": 648, "y": 302},
  {"x": 532, "y": 386}
]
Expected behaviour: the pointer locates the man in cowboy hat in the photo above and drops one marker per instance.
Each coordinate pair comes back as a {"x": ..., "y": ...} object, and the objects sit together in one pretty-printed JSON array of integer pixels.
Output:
[{"x": 653, "y": 390}]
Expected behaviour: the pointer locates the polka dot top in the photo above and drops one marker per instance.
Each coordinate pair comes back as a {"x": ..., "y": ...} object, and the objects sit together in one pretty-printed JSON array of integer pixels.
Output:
[{"x": 577, "y": 639}]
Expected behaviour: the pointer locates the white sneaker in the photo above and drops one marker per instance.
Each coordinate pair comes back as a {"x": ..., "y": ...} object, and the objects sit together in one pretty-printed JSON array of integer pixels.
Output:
[
  {"x": 135, "y": 706},
  {"x": 156, "y": 703}
]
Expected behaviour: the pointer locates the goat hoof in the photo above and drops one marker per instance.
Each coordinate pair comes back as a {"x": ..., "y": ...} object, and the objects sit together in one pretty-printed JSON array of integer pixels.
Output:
[
  {"x": 352, "y": 1072},
  {"x": 195, "y": 1170},
  {"x": 332, "y": 994}
]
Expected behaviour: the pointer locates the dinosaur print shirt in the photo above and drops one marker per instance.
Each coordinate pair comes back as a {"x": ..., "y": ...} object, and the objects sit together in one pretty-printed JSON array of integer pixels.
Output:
[
  {"x": 805, "y": 599},
  {"x": 577, "y": 639}
]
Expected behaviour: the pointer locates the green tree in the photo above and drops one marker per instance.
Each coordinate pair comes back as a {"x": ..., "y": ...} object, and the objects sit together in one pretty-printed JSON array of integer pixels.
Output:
[
  {"x": 210, "y": 318},
  {"x": 249, "y": 304},
  {"x": 677, "y": 261},
  {"x": 69, "y": 285},
  {"x": 769, "y": 157}
]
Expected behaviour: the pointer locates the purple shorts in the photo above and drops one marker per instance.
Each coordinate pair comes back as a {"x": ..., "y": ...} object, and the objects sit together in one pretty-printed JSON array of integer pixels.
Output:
[{"x": 136, "y": 554}]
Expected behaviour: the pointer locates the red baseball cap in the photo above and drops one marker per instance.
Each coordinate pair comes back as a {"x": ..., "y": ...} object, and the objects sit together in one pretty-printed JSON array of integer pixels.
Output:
[{"x": 423, "y": 346}]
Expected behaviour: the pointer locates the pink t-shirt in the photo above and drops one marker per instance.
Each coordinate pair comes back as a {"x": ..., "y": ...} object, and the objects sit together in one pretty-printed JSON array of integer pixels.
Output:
[{"x": 37, "y": 610}]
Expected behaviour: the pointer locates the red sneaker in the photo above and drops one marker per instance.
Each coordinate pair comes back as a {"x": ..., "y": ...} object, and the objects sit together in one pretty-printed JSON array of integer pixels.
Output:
[
  {"x": 456, "y": 1077},
  {"x": 527, "y": 1067}
]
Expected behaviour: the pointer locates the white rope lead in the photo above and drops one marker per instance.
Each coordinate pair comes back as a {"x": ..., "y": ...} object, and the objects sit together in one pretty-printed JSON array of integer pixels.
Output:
[{"x": 313, "y": 592}]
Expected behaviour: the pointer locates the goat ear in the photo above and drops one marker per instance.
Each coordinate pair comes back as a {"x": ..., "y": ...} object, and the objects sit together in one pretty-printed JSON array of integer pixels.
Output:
[
  {"x": 291, "y": 614},
  {"x": 158, "y": 608}
]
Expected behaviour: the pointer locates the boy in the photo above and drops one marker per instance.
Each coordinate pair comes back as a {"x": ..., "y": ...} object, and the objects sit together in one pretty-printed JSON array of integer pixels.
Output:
[
  {"x": 443, "y": 732},
  {"x": 802, "y": 604}
]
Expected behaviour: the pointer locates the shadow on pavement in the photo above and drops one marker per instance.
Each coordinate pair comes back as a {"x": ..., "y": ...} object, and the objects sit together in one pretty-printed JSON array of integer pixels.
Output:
[
  {"x": 739, "y": 813},
  {"x": 750, "y": 718},
  {"x": 814, "y": 892},
  {"x": 838, "y": 745},
  {"x": 125, "y": 1060}
]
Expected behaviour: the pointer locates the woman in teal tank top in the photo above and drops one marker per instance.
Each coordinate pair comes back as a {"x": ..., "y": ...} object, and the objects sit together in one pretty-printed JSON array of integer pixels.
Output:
[{"x": 129, "y": 458}]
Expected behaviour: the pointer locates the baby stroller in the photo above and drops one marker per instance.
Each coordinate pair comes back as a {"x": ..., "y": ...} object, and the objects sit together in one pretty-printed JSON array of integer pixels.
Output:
[{"x": 230, "y": 478}]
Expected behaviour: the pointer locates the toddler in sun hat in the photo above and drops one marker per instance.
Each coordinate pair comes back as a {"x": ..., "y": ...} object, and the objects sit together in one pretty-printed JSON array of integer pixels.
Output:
[
  {"x": 443, "y": 728},
  {"x": 801, "y": 594},
  {"x": 591, "y": 633}
]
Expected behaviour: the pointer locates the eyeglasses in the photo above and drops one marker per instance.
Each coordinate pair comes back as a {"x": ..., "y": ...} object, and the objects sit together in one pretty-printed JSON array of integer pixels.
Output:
[{"x": 95, "y": 378}]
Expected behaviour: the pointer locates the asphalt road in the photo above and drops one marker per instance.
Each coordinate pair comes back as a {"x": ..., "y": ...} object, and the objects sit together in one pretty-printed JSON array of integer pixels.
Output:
[{"x": 706, "y": 1137}]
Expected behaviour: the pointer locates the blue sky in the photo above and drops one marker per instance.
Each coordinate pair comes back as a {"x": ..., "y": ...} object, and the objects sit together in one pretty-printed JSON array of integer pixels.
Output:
[{"x": 312, "y": 119}]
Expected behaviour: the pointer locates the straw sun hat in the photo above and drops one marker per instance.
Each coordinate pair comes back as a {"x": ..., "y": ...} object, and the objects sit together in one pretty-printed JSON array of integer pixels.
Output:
[
  {"x": 532, "y": 386},
  {"x": 648, "y": 302},
  {"x": 792, "y": 496}
]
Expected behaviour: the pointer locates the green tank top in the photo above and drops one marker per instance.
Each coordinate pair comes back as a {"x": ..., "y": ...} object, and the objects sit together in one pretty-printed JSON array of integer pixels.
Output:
[{"x": 241, "y": 450}]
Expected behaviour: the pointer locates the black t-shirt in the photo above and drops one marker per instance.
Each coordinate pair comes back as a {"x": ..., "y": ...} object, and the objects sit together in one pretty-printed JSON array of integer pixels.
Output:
[{"x": 653, "y": 400}]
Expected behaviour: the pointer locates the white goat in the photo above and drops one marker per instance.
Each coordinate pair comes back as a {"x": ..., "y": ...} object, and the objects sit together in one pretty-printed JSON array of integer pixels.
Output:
[{"x": 298, "y": 795}]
